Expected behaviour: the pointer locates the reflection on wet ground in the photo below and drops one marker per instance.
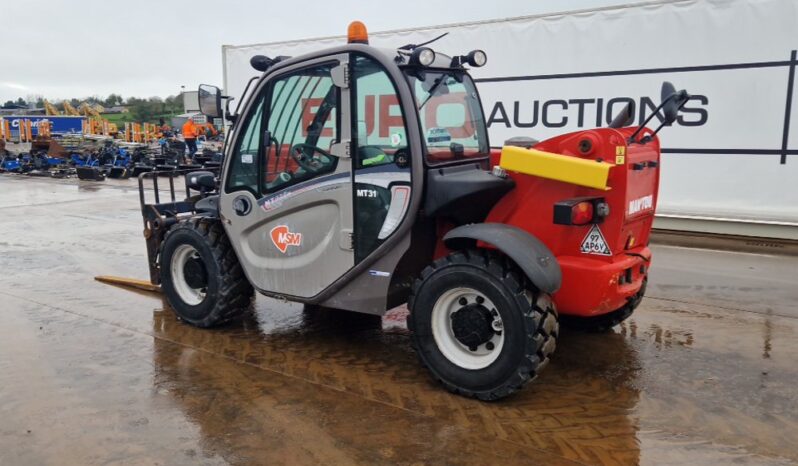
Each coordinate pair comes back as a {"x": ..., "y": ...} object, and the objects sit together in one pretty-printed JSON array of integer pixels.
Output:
[{"x": 95, "y": 374}]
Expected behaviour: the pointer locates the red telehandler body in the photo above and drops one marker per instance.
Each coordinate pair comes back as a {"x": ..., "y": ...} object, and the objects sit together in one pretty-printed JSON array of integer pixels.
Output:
[{"x": 361, "y": 178}]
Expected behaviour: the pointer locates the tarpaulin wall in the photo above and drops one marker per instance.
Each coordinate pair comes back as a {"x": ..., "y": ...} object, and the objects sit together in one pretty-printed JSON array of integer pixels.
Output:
[{"x": 730, "y": 164}]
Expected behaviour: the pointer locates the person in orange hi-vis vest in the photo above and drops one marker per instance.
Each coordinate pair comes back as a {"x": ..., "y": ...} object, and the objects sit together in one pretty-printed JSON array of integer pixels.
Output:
[{"x": 190, "y": 133}]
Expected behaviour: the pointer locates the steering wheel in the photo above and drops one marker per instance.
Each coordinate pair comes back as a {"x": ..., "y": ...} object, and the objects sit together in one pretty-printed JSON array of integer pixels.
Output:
[{"x": 311, "y": 158}]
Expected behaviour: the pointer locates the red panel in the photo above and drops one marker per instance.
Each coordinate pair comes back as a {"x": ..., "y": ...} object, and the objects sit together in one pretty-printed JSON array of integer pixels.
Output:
[{"x": 590, "y": 282}]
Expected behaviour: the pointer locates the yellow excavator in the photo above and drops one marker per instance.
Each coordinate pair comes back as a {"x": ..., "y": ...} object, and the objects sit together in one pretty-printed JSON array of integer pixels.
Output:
[
  {"x": 91, "y": 110},
  {"x": 95, "y": 111},
  {"x": 70, "y": 110},
  {"x": 50, "y": 109}
]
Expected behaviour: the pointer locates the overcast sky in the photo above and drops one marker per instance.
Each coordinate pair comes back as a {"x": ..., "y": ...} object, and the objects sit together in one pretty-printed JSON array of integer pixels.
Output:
[{"x": 69, "y": 48}]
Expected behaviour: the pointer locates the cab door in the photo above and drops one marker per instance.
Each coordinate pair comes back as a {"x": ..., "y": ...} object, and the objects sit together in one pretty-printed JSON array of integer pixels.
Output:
[{"x": 287, "y": 199}]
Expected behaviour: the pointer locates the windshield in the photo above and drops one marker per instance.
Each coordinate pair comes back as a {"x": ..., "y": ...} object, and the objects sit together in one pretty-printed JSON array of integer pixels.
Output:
[{"x": 451, "y": 116}]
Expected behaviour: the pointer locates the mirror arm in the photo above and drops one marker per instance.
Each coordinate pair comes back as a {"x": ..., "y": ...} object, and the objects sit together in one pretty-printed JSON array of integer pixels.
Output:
[
  {"x": 643, "y": 125},
  {"x": 229, "y": 116},
  {"x": 649, "y": 137}
]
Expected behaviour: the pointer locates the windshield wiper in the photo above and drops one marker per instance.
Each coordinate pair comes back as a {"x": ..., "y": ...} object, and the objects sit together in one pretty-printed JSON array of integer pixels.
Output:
[{"x": 434, "y": 88}]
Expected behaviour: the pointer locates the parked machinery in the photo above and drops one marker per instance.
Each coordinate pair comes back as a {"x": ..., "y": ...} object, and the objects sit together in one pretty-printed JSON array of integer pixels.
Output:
[{"x": 325, "y": 200}]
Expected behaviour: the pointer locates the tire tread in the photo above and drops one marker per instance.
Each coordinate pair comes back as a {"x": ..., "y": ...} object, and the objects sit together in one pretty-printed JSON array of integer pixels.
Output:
[
  {"x": 542, "y": 322},
  {"x": 235, "y": 291}
]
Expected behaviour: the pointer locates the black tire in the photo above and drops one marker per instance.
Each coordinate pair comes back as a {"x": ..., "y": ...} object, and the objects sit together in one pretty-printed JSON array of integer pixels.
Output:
[
  {"x": 605, "y": 322},
  {"x": 530, "y": 323},
  {"x": 228, "y": 292}
]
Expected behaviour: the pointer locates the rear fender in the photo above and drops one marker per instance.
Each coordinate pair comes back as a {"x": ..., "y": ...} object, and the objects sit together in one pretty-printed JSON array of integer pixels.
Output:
[{"x": 531, "y": 255}]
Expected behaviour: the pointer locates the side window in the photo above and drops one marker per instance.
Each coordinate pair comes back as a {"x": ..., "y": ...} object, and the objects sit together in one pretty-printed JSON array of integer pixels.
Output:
[
  {"x": 243, "y": 171},
  {"x": 379, "y": 126},
  {"x": 302, "y": 126},
  {"x": 382, "y": 186}
]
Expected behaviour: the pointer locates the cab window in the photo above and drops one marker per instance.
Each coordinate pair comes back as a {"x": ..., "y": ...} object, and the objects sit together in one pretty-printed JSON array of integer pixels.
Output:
[
  {"x": 291, "y": 142},
  {"x": 243, "y": 171},
  {"x": 451, "y": 115},
  {"x": 382, "y": 186},
  {"x": 302, "y": 125},
  {"x": 379, "y": 123}
]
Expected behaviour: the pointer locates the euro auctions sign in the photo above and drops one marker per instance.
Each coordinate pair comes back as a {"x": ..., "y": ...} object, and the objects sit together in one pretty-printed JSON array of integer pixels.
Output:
[{"x": 732, "y": 156}]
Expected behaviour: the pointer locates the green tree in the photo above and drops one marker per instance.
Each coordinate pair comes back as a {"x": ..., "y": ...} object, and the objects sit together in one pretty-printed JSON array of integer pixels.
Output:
[
  {"x": 113, "y": 100},
  {"x": 35, "y": 99},
  {"x": 143, "y": 110},
  {"x": 174, "y": 104}
]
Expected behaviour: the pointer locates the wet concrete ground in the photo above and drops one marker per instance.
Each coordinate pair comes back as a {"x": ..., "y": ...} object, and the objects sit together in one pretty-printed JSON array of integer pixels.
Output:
[{"x": 704, "y": 372}]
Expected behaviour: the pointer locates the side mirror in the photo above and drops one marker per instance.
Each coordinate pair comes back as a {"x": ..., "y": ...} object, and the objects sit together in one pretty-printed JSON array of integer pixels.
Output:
[
  {"x": 625, "y": 118},
  {"x": 210, "y": 101},
  {"x": 668, "y": 99},
  {"x": 672, "y": 101},
  {"x": 201, "y": 181}
]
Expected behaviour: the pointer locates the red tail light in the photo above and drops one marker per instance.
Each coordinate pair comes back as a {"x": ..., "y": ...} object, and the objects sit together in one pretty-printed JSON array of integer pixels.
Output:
[{"x": 582, "y": 213}]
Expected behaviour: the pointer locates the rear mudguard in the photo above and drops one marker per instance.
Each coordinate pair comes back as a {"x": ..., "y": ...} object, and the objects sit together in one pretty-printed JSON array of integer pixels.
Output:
[{"x": 531, "y": 255}]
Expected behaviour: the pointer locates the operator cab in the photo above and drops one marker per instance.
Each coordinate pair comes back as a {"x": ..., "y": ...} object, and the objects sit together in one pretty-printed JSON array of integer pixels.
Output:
[{"x": 330, "y": 155}]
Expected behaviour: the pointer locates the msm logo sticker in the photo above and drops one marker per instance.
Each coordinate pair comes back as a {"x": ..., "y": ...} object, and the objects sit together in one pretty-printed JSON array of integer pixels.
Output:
[{"x": 282, "y": 237}]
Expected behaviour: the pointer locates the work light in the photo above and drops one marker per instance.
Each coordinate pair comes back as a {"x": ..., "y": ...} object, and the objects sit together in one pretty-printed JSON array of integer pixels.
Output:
[
  {"x": 477, "y": 58},
  {"x": 422, "y": 56}
]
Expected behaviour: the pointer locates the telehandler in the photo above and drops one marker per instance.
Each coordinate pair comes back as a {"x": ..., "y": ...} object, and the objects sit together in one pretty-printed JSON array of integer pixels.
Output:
[{"x": 360, "y": 178}]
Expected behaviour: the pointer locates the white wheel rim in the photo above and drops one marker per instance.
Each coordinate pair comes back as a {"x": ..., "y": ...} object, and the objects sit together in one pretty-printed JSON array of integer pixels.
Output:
[
  {"x": 457, "y": 353},
  {"x": 181, "y": 256}
]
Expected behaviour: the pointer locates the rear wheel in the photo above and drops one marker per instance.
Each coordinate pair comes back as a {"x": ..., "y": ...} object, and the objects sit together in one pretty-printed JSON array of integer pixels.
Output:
[
  {"x": 479, "y": 326},
  {"x": 200, "y": 274}
]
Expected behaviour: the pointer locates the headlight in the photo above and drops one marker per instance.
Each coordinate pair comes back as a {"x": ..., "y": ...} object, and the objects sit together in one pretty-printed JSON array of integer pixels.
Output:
[{"x": 422, "y": 56}]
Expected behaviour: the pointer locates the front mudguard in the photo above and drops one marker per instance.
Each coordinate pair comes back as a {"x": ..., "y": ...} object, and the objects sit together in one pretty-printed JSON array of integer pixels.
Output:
[
  {"x": 529, "y": 253},
  {"x": 208, "y": 206}
]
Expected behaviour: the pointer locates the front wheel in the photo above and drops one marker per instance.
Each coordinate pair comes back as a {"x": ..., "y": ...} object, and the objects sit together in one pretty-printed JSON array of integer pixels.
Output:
[
  {"x": 200, "y": 274},
  {"x": 479, "y": 326}
]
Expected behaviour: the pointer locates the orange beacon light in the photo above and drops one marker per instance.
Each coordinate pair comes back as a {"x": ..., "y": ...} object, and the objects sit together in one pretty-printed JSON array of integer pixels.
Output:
[{"x": 357, "y": 34}]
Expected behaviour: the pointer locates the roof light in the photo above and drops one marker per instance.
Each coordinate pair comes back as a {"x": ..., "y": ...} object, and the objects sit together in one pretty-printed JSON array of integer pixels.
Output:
[
  {"x": 261, "y": 62},
  {"x": 477, "y": 58},
  {"x": 357, "y": 33},
  {"x": 422, "y": 56}
]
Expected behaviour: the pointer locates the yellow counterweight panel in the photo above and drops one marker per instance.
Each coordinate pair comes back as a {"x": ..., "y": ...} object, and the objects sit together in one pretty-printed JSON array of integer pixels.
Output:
[{"x": 565, "y": 168}]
